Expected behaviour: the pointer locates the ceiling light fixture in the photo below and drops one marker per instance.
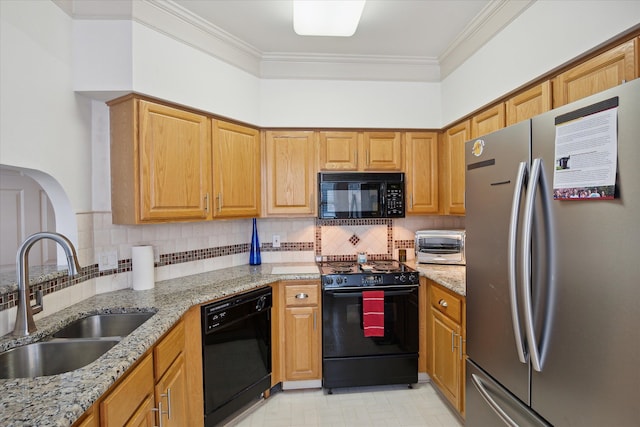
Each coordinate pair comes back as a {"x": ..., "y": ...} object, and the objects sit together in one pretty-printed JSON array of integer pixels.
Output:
[{"x": 327, "y": 18}]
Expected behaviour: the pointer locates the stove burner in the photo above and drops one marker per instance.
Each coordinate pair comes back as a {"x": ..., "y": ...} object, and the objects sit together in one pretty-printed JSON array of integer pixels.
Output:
[
  {"x": 340, "y": 270},
  {"x": 385, "y": 266}
]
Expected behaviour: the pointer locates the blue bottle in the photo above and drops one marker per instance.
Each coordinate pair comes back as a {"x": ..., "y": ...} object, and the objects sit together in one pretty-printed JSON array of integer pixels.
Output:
[{"x": 254, "y": 253}]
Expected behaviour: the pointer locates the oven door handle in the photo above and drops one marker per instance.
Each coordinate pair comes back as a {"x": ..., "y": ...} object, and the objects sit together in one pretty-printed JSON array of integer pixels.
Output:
[{"x": 349, "y": 293}]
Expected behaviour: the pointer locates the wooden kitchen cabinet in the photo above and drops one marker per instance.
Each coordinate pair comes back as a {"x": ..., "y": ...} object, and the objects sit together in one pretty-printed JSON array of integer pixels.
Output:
[
  {"x": 446, "y": 335},
  {"x": 160, "y": 162},
  {"x": 382, "y": 151},
  {"x": 452, "y": 164},
  {"x": 360, "y": 151},
  {"x": 609, "y": 69},
  {"x": 529, "y": 103},
  {"x": 128, "y": 401},
  {"x": 171, "y": 396},
  {"x": 421, "y": 172},
  {"x": 487, "y": 121},
  {"x": 236, "y": 170},
  {"x": 298, "y": 334},
  {"x": 167, "y": 383},
  {"x": 290, "y": 173},
  {"x": 338, "y": 151}
]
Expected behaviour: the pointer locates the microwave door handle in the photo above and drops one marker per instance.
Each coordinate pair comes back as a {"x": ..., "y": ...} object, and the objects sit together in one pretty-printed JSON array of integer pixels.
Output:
[{"x": 513, "y": 238}]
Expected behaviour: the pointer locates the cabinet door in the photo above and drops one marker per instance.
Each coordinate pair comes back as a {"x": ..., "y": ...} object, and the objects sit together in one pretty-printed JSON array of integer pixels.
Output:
[
  {"x": 338, "y": 151},
  {"x": 490, "y": 120},
  {"x": 382, "y": 151},
  {"x": 445, "y": 335},
  {"x": 529, "y": 103},
  {"x": 160, "y": 163},
  {"x": 236, "y": 170},
  {"x": 91, "y": 419},
  {"x": 171, "y": 395},
  {"x": 421, "y": 172},
  {"x": 605, "y": 71},
  {"x": 453, "y": 167},
  {"x": 302, "y": 341},
  {"x": 290, "y": 173},
  {"x": 132, "y": 392},
  {"x": 145, "y": 416}
]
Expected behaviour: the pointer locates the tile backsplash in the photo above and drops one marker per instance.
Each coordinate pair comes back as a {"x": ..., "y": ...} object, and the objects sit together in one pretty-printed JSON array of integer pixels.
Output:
[{"x": 190, "y": 248}]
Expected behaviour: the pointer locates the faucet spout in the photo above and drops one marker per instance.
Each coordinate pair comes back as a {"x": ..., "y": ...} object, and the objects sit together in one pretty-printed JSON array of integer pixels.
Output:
[{"x": 24, "y": 319}]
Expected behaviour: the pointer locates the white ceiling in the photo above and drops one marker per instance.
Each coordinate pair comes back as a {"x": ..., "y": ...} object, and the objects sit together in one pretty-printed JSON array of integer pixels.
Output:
[{"x": 405, "y": 39}]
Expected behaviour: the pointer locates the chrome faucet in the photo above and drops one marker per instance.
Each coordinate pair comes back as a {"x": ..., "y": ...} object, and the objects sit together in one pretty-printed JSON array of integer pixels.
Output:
[{"x": 24, "y": 319}]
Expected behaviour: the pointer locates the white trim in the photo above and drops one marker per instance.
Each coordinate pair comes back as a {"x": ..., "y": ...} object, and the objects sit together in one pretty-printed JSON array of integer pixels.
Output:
[{"x": 172, "y": 20}]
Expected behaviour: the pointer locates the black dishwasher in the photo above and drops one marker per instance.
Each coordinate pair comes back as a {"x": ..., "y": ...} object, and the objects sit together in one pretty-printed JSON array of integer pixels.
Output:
[{"x": 236, "y": 353}]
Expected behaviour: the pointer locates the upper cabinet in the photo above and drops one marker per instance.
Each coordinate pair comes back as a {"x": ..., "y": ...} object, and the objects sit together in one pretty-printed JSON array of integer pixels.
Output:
[
  {"x": 236, "y": 170},
  {"x": 290, "y": 182},
  {"x": 160, "y": 163},
  {"x": 382, "y": 151},
  {"x": 421, "y": 172},
  {"x": 338, "y": 151},
  {"x": 452, "y": 168},
  {"x": 487, "y": 121},
  {"x": 602, "y": 72},
  {"x": 529, "y": 103},
  {"x": 354, "y": 151}
]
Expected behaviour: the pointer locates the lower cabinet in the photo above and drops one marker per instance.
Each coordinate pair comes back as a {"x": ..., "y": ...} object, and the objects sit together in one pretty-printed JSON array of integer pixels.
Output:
[
  {"x": 297, "y": 334},
  {"x": 446, "y": 343},
  {"x": 163, "y": 389}
]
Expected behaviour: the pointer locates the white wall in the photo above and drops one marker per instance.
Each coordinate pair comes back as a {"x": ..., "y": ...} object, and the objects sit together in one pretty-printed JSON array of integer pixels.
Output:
[
  {"x": 45, "y": 125},
  {"x": 333, "y": 103},
  {"x": 547, "y": 35}
]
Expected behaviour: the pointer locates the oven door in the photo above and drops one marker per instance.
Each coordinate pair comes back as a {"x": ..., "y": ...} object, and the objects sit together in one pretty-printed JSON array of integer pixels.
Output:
[{"x": 342, "y": 326}]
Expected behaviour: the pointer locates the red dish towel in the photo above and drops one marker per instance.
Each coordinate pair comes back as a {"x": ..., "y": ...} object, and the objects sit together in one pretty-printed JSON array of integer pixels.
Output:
[{"x": 373, "y": 313}]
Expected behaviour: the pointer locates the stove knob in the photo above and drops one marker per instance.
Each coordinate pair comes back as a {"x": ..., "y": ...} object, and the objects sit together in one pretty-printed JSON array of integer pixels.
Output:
[
  {"x": 413, "y": 277},
  {"x": 328, "y": 280},
  {"x": 403, "y": 278},
  {"x": 339, "y": 280}
]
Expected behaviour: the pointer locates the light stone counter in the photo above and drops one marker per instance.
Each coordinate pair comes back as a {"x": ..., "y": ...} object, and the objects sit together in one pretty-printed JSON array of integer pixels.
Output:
[
  {"x": 452, "y": 277},
  {"x": 59, "y": 400}
]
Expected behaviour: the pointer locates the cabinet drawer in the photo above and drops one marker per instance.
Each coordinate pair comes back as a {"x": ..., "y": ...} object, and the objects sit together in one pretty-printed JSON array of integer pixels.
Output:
[
  {"x": 119, "y": 406},
  {"x": 168, "y": 349},
  {"x": 446, "y": 303},
  {"x": 296, "y": 295}
]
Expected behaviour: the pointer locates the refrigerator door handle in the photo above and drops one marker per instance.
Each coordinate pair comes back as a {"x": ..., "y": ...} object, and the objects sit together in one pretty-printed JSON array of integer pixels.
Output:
[
  {"x": 536, "y": 168},
  {"x": 513, "y": 238},
  {"x": 477, "y": 382}
]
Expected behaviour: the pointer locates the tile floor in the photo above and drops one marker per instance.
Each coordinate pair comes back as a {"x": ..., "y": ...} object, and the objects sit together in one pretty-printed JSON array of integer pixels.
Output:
[{"x": 364, "y": 406}]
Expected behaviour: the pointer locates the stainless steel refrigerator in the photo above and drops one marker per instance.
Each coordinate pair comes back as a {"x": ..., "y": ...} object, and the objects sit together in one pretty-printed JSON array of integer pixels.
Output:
[{"x": 553, "y": 281}]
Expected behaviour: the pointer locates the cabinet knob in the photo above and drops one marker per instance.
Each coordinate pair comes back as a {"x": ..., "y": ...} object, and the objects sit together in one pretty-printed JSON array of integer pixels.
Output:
[
  {"x": 302, "y": 296},
  {"x": 443, "y": 303}
]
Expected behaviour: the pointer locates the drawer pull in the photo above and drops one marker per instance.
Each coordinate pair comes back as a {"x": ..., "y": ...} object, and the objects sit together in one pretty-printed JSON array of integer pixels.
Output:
[
  {"x": 443, "y": 303},
  {"x": 302, "y": 296}
]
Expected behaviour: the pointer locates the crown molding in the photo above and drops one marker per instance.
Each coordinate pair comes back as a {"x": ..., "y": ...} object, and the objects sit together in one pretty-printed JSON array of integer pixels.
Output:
[
  {"x": 172, "y": 20},
  {"x": 489, "y": 22}
]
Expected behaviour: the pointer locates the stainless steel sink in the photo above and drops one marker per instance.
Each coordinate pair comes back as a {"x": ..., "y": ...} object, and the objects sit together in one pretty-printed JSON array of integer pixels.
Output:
[
  {"x": 104, "y": 325},
  {"x": 52, "y": 357}
]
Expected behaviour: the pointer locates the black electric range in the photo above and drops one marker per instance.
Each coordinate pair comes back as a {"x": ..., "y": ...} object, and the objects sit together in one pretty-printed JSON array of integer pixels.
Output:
[{"x": 340, "y": 274}]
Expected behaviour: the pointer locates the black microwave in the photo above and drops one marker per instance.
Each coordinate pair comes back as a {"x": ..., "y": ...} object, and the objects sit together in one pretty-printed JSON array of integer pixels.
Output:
[{"x": 344, "y": 195}]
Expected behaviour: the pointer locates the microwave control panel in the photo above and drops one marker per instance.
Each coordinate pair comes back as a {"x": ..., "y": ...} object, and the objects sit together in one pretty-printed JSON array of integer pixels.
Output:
[{"x": 395, "y": 200}]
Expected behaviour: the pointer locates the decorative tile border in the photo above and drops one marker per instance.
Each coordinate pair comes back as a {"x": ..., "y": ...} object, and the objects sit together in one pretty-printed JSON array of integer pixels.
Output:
[
  {"x": 8, "y": 300},
  {"x": 351, "y": 222},
  {"x": 405, "y": 244}
]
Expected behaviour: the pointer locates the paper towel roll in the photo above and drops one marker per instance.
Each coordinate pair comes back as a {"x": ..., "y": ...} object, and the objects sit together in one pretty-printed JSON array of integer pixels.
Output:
[{"x": 142, "y": 267}]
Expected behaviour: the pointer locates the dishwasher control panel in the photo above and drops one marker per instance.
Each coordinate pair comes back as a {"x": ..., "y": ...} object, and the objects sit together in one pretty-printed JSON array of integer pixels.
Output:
[{"x": 223, "y": 313}]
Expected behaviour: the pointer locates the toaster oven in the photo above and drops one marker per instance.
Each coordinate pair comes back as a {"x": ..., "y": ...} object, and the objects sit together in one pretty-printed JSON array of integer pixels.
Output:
[{"x": 440, "y": 247}]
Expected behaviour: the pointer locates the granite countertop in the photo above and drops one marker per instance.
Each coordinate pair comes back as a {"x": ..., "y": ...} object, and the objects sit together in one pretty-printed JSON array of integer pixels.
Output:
[
  {"x": 452, "y": 277},
  {"x": 59, "y": 400}
]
